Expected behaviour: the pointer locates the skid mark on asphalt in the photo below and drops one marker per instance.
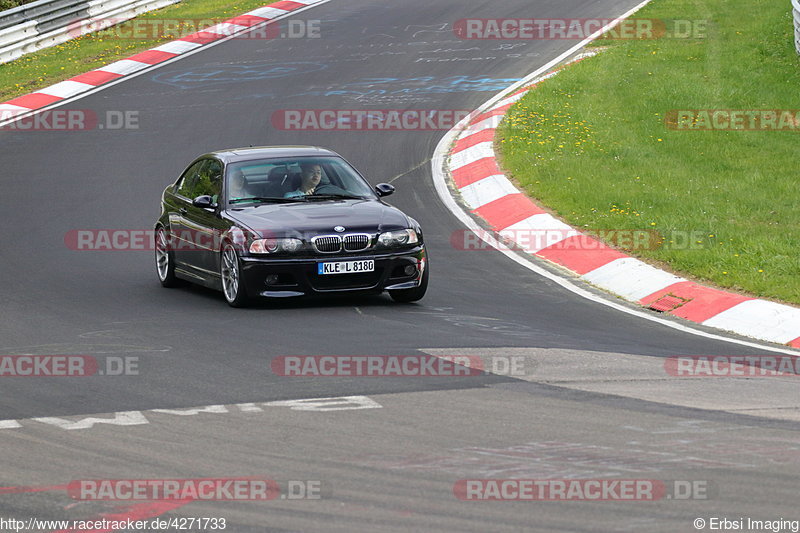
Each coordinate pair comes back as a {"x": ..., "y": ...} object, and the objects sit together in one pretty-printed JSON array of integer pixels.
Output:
[
  {"x": 556, "y": 459},
  {"x": 410, "y": 170},
  {"x": 82, "y": 349},
  {"x": 481, "y": 323}
]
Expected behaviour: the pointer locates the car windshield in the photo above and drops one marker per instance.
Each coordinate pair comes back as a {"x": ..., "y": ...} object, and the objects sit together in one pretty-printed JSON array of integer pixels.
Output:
[{"x": 292, "y": 180}]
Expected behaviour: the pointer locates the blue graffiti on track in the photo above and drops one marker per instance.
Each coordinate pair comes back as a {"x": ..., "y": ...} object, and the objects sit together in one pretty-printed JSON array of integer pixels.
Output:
[
  {"x": 204, "y": 77},
  {"x": 419, "y": 85}
]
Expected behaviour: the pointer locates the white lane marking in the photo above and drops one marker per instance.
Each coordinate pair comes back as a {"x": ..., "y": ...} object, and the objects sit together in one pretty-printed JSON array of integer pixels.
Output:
[
  {"x": 150, "y": 68},
  {"x": 12, "y": 110},
  {"x": 760, "y": 317},
  {"x": 122, "y": 418},
  {"x": 123, "y": 67},
  {"x": 630, "y": 278},
  {"x": 193, "y": 411},
  {"x": 471, "y": 154},
  {"x": 225, "y": 28},
  {"x": 134, "y": 418},
  {"x": 66, "y": 88},
  {"x": 267, "y": 12},
  {"x": 487, "y": 190},
  {"x": 490, "y": 123},
  {"x": 538, "y": 232},
  {"x": 345, "y": 403},
  {"x": 249, "y": 408},
  {"x": 177, "y": 47},
  {"x": 440, "y": 184}
]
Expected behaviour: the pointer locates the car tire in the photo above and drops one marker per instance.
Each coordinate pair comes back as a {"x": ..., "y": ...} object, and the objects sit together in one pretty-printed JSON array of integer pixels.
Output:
[
  {"x": 230, "y": 274},
  {"x": 412, "y": 295},
  {"x": 165, "y": 259}
]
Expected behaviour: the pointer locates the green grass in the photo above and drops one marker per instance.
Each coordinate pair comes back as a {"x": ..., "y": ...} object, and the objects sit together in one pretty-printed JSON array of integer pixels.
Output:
[
  {"x": 51, "y": 65},
  {"x": 592, "y": 144},
  {"x": 8, "y": 4}
]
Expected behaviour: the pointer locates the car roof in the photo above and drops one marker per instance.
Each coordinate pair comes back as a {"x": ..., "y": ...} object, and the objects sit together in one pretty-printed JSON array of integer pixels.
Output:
[{"x": 233, "y": 155}]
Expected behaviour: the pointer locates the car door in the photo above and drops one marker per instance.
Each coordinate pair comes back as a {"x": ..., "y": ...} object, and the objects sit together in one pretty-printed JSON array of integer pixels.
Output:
[
  {"x": 205, "y": 223},
  {"x": 182, "y": 239}
]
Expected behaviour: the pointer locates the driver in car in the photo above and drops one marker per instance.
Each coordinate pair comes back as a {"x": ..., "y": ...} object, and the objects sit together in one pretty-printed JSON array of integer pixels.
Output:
[
  {"x": 239, "y": 186},
  {"x": 310, "y": 176}
]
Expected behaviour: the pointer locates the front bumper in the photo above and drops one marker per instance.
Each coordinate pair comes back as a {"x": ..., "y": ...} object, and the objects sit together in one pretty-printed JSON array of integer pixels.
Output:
[{"x": 299, "y": 277}]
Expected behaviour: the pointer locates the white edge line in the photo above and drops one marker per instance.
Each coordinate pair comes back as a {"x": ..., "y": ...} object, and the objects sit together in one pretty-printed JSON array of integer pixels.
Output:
[
  {"x": 157, "y": 65},
  {"x": 440, "y": 184}
]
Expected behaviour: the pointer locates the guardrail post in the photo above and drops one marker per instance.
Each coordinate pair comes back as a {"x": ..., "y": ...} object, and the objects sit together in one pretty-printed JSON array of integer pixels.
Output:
[{"x": 796, "y": 17}]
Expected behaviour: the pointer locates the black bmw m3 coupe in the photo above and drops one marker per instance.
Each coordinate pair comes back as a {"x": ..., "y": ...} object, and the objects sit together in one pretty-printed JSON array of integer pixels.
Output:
[{"x": 286, "y": 221}]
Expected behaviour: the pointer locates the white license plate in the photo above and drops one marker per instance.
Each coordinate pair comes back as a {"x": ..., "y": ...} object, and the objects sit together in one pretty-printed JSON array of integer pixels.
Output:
[{"x": 346, "y": 267}]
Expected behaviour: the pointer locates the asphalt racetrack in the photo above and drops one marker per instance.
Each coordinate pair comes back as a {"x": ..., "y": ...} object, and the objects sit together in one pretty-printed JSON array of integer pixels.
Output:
[{"x": 594, "y": 402}]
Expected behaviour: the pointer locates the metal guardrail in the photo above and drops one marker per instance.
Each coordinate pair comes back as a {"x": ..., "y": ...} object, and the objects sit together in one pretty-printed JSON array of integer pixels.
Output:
[
  {"x": 796, "y": 16},
  {"x": 45, "y": 23}
]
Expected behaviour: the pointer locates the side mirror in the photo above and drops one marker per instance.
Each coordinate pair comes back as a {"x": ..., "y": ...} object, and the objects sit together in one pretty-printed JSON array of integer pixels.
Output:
[
  {"x": 384, "y": 189},
  {"x": 204, "y": 201}
]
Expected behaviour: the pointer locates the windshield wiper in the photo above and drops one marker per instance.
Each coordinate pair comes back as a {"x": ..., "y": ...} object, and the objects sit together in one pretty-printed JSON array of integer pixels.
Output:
[
  {"x": 263, "y": 199},
  {"x": 335, "y": 197}
]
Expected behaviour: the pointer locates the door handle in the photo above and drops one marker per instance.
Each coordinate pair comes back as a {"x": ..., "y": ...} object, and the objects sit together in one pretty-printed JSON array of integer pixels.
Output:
[{"x": 183, "y": 211}]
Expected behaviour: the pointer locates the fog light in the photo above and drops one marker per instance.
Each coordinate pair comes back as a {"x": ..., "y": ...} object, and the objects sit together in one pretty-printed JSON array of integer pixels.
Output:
[
  {"x": 410, "y": 270},
  {"x": 271, "y": 279}
]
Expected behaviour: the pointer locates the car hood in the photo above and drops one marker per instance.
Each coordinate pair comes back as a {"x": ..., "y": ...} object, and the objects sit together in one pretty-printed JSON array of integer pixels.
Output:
[{"x": 313, "y": 218}]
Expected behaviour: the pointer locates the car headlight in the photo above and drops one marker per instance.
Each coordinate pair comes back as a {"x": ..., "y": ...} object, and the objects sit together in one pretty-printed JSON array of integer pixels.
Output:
[
  {"x": 271, "y": 246},
  {"x": 393, "y": 239}
]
